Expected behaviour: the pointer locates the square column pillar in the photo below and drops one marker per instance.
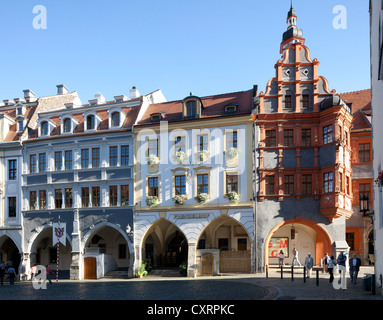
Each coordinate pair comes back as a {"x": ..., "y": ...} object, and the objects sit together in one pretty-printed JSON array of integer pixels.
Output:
[{"x": 192, "y": 263}]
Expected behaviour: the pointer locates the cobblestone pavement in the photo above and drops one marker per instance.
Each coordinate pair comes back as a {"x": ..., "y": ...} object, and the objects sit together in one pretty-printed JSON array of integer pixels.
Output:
[{"x": 227, "y": 287}]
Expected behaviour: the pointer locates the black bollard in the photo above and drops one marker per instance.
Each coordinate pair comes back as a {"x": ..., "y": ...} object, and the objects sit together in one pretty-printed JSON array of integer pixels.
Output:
[
  {"x": 267, "y": 272},
  {"x": 304, "y": 274},
  {"x": 317, "y": 277},
  {"x": 281, "y": 272},
  {"x": 292, "y": 273},
  {"x": 373, "y": 285}
]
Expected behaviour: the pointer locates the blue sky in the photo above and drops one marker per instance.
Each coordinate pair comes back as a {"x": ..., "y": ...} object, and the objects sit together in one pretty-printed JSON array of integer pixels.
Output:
[{"x": 179, "y": 46}]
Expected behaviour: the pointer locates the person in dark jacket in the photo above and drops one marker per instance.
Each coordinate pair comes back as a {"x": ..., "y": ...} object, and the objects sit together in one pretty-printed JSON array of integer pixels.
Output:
[{"x": 355, "y": 264}]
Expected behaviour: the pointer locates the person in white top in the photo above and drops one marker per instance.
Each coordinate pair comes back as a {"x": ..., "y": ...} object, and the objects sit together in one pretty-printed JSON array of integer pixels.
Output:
[{"x": 295, "y": 257}]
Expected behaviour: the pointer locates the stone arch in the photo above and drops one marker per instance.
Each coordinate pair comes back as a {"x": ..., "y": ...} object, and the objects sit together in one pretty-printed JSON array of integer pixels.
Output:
[{"x": 323, "y": 242}]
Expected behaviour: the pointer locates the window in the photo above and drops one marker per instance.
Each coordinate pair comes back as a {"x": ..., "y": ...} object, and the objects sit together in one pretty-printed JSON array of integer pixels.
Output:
[
  {"x": 115, "y": 119},
  {"x": 121, "y": 251},
  {"x": 19, "y": 111},
  {"x": 44, "y": 128},
  {"x": 12, "y": 169},
  {"x": 90, "y": 122},
  {"x": 328, "y": 182},
  {"x": 42, "y": 199},
  {"x": 288, "y": 103},
  {"x": 242, "y": 244},
  {"x": 350, "y": 238},
  {"x": 58, "y": 198},
  {"x": 68, "y": 160},
  {"x": 231, "y": 108},
  {"x": 365, "y": 189},
  {"x": 58, "y": 160},
  {"x": 191, "y": 109},
  {"x": 305, "y": 101},
  {"x": 364, "y": 152},
  {"x": 231, "y": 183},
  {"x": 270, "y": 138},
  {"x": 306, "y": 137},
  {"x": 85, "y": 197},
  {"x": 95, "y": 157},
  {"x": 223, "y": 244},
  {"x": 12, "y": 207},
  {"x": 203, "y": 142},
  {"x": 32, "y": 163},
  {"x": 113, "y": 196},
  {"x": 340, "y": 182},
  {"x": 306, "y": 184},
  {"x": 202, "y": 183},
  {"x": 124, "y": 155},
  {"x": 288, "y": 137},
  {"x": 32, "y": 200},
  {"x": 84, "y": 158},
  {"x": 179, "y": 144},
  {"x": 153, "y": 147},
  {"x": 327, "y": 134},
  {"x": 95, "y": 196},
  {"x": 68, "y": 198},
  {"x": 124, "y": 195},
  {"x": 153, "y": 190},
  {"x": 348, "y": 185},
  {"x": 231, "y": 139},
  {"x": 289, "y": 184},
  {"x": 270, "y": 185},
  {"x": 20, "y": 125},
  {"x": 112, "y": 156},
  {"x": 67, "y": 126},
  {"x": 180, "y": 185},
  {"x": 42, "y": 162}
]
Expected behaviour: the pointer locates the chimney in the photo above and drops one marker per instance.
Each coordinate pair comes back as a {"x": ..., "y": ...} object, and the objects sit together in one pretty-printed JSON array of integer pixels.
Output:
[
  {"x": 29, "y": 95},
  {"x": 61, "y": 89},
  {"x": 99, "y": 99},
  {"x": 134, "y": 93}
]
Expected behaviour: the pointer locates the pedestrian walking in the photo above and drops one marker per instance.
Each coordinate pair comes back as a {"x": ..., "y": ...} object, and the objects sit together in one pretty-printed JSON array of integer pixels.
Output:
[
  {"x": 33, "y": 271},
  {"x": 331, "y": 266},
  {"x": 2, "y": 272},
  {"x": 12, "y": 275},
  {"x": 295, "y": 257},
  {"x": 48, "y": 272},
  {"x": 281, "y": 258},
  {"x": 341, "y": 261},
  {"x": 309, "y": 264},
  {"x": 355, "y": 263},
  {"x": 326, "y": 258}
]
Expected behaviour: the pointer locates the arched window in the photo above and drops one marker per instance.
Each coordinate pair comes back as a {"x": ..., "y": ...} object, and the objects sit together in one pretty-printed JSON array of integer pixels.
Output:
[
  {"x": 90, "y": 122},
  {"x": 115, "y": 119},
  {"x": 67, "y": 127},
  {"x": 44, "y": 128}
]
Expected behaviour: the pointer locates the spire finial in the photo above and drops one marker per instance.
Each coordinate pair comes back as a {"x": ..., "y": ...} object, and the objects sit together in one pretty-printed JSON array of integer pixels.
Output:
[{"x": 291, "y": 4}]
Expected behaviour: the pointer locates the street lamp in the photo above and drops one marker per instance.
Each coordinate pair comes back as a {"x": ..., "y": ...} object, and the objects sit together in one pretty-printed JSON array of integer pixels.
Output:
[{"x": 365, "y": 208}]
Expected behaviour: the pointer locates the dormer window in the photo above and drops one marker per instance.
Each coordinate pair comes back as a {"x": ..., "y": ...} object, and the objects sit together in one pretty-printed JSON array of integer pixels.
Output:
[
  {"x": 115, "y": 119},
  {"x": 44, "y": 128},
  {"x": 67, "y": 125},
  {"x": 232, "y": 108},
  {"x": 191, "y": 109},
  {"x": 19, "y": 111},
  {"x": 20, "y": 126},
  {"x": 156, "y": 117},
  {"x": 90, "y": 122}
]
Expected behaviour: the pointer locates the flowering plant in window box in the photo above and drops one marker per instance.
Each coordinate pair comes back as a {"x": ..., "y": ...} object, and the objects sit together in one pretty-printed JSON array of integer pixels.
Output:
[
  {"x": 202, "y": 197},
  {"x": 153, "y": 159},
  {"x": 231, "y": 152},
  {"x": 203, "y": 155},
  {"x": 179, "y": 199},
  {"x": 233, "y": 197},
  {"x": 181, "y": 156},
  {"x": 152, "y": 201},
  {"x": 379, "y": 180}
]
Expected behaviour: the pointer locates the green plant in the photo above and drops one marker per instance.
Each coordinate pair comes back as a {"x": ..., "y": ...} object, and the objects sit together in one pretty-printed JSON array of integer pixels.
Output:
[
  {"x": 232, "y": 152},
  {"x": 181, "y": 156},
  {"x": 153, "y": 159},
  {"x": 203, "y": 155},
  {"x": 183, "y": 268},
  {"x": 202, "y": 197},
  {"x": 379, "y": 180},
  {"x": 179, "y": 199},
  {"x": 141, "y": 270},
  {"x": 152, "y": 201},
  {"x": 233, "y": 197}
]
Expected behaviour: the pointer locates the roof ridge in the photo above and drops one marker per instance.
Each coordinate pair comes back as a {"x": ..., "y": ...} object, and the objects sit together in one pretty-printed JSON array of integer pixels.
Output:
[{"x": 355, "y": 91}]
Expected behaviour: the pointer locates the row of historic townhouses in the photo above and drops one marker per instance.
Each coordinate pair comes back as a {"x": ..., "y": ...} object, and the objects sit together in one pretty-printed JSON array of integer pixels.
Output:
[
  {"x": 193, "y": 198},
  {"x": 359, "y": 228},
  {"x": 376, "y": 44},
  {"x": 14, "y": 121},
  {"x": 302, "y": 165},
  {"x": 78, "y": 169}
]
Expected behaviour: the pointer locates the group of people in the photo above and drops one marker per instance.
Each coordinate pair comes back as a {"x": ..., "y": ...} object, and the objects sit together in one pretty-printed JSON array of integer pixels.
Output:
[
  {"x": 329, "y": 264},
  {"x": 11, "y": 273}
]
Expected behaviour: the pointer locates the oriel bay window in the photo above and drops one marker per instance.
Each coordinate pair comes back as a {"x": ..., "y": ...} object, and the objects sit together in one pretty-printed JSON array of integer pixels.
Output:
[
  {"x": 328, "y": 180},
  {"x": 327, "y": 134}
]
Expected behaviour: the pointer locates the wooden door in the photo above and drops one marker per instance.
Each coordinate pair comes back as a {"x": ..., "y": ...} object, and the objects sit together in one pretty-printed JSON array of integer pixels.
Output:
[
  {"x": 207, "y": 264},
  {"x": 90, "y": 268}
]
